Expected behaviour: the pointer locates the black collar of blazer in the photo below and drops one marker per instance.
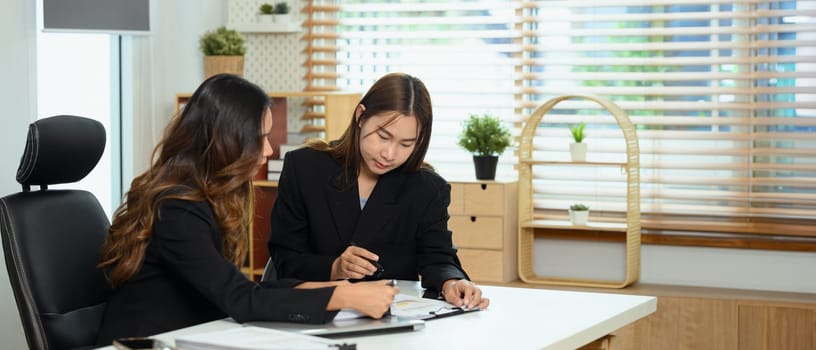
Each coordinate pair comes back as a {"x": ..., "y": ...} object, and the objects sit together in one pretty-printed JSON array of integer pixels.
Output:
[{"x": 361, "y": 226}]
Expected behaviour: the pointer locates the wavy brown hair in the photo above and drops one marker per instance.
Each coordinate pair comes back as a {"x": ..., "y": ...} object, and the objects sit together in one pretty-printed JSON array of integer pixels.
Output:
[
  {"x": 393, "y": 92},
  {"x": 209, "y": 152}
]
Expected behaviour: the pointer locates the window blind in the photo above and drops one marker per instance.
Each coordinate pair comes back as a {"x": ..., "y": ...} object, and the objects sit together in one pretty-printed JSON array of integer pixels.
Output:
[
  {"x": 722, "y": 93},
  {"x": 464, "y": 52}
]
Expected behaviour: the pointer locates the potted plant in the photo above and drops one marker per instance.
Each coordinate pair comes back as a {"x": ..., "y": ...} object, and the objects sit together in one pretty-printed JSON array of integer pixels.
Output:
[
  {"x": 266, "y": 13},
  {"x": 281, "y": 15},
  {"x": 578, "y": 149},
  {"x": 486, "y": 138},
  {"x": 579, "y": 214},
  {"x": 223, "y": 51}
]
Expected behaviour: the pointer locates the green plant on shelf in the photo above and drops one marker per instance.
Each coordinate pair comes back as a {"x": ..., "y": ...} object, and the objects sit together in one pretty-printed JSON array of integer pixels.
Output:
[
  {"x": 484, "y": 135},
  {"x": 222, "y": 42},
  {"x": 267, "y": 9},
  {"x": 281, "y": 8},
  {"x": 579, "y": 207},
  {"x": 577, "y": 132}
]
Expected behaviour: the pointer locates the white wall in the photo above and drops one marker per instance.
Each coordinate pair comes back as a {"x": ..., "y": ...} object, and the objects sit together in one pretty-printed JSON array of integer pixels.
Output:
[
  {"x": 18, "y": 110},
  {"x": 709, "y": 267}
]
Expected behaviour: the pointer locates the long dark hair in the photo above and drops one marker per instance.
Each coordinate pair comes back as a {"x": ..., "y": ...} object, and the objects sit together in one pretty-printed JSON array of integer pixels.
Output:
[
  {"x": 394, "y": 92},
  {"x": 209, "y": 152}
]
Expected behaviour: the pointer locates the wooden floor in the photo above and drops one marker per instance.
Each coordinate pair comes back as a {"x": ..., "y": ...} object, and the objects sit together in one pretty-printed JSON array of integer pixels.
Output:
[{"x": 689, "y": 318}]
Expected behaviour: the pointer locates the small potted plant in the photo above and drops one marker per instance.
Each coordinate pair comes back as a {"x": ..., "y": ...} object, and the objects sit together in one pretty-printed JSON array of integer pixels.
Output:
[
  {"x": 486, "y": 138},
  {"x": 579, "y": 214},
  {"x": 578, "y": 149},
  {"x": 266, "y": 13},
  {"x": 281, "y": 15},
  {"x": 281, "y": 8},
  {"x": 223, "y": 51}
]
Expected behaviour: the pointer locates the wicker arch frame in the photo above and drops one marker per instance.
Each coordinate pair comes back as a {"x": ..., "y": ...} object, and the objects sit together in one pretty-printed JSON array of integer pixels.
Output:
[{"x": 527, "y": 224}]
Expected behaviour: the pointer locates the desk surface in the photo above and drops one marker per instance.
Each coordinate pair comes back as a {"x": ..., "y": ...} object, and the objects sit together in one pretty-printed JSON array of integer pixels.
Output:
[{"x": 518, "y": 318}]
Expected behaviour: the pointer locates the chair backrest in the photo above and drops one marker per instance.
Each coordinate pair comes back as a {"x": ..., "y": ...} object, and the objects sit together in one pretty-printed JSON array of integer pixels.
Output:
[
  {"x": 270, "y": 272},
  {"x": 52, "y": 238}
]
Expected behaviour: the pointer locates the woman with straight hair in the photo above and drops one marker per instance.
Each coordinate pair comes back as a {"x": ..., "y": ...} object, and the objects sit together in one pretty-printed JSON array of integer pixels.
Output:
[
  {"x": 176, "y": 243},
  {"x": 367, "y": 206}
]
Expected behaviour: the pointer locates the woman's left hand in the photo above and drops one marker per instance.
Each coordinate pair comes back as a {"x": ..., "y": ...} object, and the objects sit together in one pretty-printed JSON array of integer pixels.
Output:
[{"x": 464, "y": 294}]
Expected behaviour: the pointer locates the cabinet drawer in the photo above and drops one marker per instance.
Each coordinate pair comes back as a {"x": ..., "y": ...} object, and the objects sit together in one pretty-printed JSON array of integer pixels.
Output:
[
  {"x": 484, "y": 199},
  {"x": 477, "y": 231},
  {"x": 482, "y": 265},
  {"x": 457, "y": 203}
]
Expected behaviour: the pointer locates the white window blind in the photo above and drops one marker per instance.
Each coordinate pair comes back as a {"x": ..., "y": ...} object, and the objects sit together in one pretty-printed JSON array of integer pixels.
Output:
[
  {"x": 464, "y": 52},
  {"x": 723, "y": 95}
]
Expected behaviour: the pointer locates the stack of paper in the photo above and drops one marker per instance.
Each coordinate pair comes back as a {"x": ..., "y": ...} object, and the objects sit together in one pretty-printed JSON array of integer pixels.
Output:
[{"x": 256, "y": 338}]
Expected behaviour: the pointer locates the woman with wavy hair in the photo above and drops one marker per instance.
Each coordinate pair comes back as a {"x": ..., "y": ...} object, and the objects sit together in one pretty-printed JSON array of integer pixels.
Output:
[{"x": 176, "y": 243}]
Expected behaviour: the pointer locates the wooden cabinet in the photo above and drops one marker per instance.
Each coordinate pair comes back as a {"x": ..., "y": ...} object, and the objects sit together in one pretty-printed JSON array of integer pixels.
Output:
[
  {"x": 328, "y": 115},
  {"x": 483, "y": 222},
  {"x": 725, "y": 320}
]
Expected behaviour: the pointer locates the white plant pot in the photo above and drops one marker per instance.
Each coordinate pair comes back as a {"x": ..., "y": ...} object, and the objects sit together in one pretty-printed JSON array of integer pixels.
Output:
[
  {"x": 579, "y": 217},
  {"x": 282, "y": 19},
  {"x": 266, "y": 19},
  {"x": 578, "y": 151}
]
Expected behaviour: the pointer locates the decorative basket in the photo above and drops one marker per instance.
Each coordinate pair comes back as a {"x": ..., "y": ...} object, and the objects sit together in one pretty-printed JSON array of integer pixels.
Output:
[{"x": 223, "y": 64}]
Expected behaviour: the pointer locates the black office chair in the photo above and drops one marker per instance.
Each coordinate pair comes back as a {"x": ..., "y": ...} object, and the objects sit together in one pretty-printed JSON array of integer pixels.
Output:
[
  {"x": 270, "y": 272},
  {"x": 52, "y": 238}
]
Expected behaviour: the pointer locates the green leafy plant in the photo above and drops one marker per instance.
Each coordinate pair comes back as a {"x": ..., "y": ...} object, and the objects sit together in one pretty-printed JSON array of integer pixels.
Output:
[
  {"x": 281, "y": 8},
  {"x": 222, "y": 42},
  {"x": 484, "y": 135},
  {"x": 578, "y": 207},
  {"x": 577, "y": 131},
  {"x": 267, "y": 8}
]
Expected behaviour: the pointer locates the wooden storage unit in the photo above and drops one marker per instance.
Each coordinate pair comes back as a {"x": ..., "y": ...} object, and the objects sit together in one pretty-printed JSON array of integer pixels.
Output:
[
  {"x": 328, "y": 113},
  {"x": 528, "y": 225},
  {"x": 713, "y": 318},
  {"x": 483, "y": 222}
]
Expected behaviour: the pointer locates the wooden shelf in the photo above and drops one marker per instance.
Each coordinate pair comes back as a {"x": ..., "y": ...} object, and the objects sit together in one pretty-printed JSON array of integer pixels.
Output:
[
  {"x": 570, "y": 163},
  {"x": 528, "y": 225},
  {"x": 290, "y": 27},
  {"x": 265, "y": 183},
  {"x": 565, "y": 224}
]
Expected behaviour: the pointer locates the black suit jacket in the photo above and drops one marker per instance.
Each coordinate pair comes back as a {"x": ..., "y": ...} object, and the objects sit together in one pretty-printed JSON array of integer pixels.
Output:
[
  {"x": 317, "y": 216},
  {"x": 186, "y": 280}
]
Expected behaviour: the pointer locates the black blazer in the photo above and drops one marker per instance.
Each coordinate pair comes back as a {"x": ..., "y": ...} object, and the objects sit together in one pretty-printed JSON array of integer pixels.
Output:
[
  {"x": 317, "y": 215},
  {"x": 186, "y": 280}
]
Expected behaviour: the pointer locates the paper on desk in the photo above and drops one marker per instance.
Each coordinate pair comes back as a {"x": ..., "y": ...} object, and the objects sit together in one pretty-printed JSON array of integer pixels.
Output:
[
  {"x": 407, "y": 306},
  {"x": 420, "y": 308},
  {"x": 255, "y": 338}
]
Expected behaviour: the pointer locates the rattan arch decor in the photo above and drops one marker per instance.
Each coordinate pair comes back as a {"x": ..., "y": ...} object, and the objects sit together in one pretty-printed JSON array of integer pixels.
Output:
[{"x": 528, "y": 224}]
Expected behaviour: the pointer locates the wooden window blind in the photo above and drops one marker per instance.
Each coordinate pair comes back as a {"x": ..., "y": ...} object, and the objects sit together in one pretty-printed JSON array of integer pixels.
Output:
[{"x": 723, "y": 94}]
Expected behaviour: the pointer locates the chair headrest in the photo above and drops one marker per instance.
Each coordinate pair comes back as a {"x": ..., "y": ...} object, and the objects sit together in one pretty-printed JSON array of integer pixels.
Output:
[{"x": 60, "y": 149}]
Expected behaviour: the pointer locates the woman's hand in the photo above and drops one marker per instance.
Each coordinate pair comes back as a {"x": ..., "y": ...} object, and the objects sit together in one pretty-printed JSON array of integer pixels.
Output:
[
  {"x": 372, "y": 299},
  {"x": 354, "y": 263},
  {"x": 464, "y": 294}
]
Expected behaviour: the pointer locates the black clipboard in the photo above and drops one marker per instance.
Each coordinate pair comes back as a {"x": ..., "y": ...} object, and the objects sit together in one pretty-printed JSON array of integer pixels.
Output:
[{"x": 441, "y": 310}]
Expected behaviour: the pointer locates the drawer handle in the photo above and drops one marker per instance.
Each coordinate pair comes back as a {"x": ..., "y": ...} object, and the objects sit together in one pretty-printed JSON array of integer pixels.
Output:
[{"x": 472, "y": 219}]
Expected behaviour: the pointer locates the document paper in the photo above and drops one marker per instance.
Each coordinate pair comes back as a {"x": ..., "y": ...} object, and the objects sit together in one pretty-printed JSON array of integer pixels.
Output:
[{"x": 256, "y": 338}]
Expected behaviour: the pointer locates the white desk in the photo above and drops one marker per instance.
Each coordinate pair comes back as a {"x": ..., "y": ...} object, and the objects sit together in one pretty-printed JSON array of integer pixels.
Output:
[{"x": 518, "y": 318}]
